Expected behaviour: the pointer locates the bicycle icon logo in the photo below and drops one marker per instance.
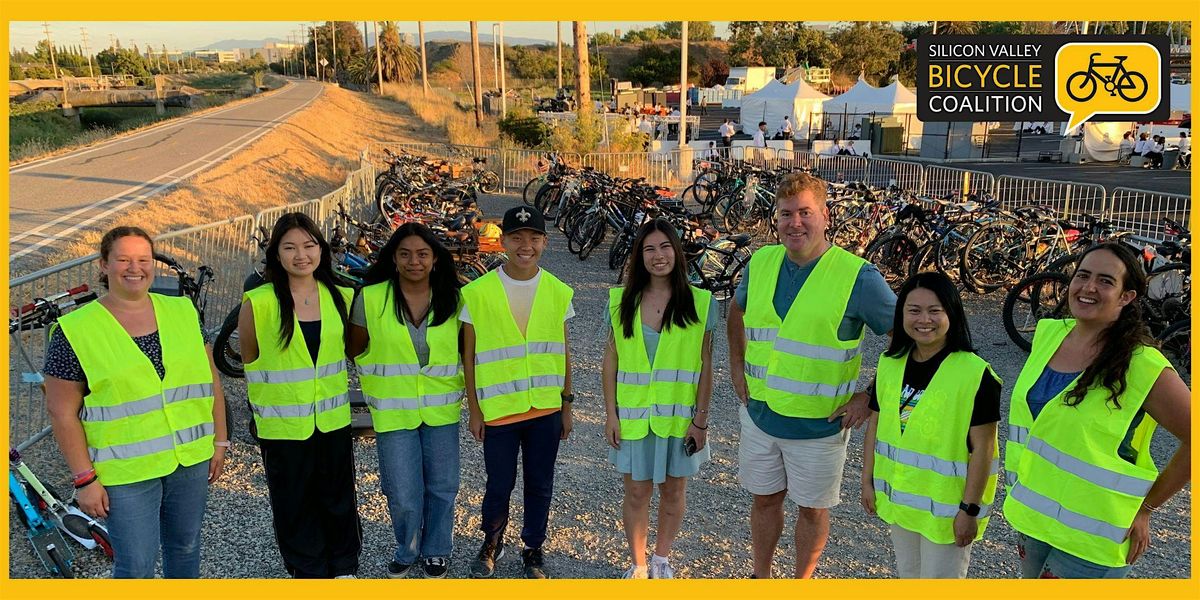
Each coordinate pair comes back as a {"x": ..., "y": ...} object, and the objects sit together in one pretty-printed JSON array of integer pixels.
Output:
[{"x": 1131, "y": 86}]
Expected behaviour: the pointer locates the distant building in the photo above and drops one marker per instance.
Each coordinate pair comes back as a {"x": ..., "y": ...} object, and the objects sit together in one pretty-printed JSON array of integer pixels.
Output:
[
  {"x": 217, "y": 56},
  {"x": 271, "y": 52},
  {"x": 407, "y": 38}
]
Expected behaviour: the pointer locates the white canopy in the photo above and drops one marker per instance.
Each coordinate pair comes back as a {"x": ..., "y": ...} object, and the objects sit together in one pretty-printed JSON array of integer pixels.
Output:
[
  {"x": 866, "y": 98},
  {"x": 798, "y": 100}
]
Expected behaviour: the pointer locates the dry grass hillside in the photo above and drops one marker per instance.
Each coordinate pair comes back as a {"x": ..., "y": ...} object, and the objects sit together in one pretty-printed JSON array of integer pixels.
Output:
[{"x": 304, "y": 158}]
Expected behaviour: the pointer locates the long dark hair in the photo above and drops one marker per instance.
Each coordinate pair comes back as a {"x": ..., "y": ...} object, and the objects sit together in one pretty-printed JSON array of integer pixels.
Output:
[
  {"x": 443, "y": 279},
  {"x": 278, "y": 276},
  {"x": 958, "y": 337},
  {"x": 681, "y": 308},
  {"x": 1119, "y": 340}
]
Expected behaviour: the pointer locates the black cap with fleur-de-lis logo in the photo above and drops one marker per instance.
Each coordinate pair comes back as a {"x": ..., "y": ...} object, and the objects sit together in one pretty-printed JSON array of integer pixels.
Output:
[{"x": 523, "y": 217}]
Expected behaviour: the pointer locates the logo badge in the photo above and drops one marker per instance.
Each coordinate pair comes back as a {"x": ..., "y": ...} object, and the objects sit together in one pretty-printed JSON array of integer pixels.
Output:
[
  {"x": 1113, "y": 78},
  {"x": 523, "y": 215}
]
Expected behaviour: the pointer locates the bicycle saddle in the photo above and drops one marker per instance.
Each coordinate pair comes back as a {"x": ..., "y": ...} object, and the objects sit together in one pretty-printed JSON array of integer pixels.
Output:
[
  {"x": 1120, "y": 57},
  {"x": 740, "y": 240}
]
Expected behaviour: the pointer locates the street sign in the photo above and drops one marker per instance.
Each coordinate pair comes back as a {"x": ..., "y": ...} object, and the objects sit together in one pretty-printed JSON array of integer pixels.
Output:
[{"x": 324, "y": 63}]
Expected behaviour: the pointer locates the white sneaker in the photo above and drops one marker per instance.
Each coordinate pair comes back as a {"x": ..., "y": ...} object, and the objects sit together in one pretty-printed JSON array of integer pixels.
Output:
[
  {"x": 636, "y": 572},
  {"x": 661, "y": 570},
  {"x": 345, "y": 577}
]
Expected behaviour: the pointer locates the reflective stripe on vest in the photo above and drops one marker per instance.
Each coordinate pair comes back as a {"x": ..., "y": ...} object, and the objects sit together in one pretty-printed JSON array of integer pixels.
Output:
[
  {"x": 400, "y": 393},
  {"x": 290, "y": 396},
  {"x": 1069, "y": 487},
  {"x": 920, "y": 474},
  {"x": 513, "y": 372},
  {"x": 658, "y": 397},
  {"x": 797, "y": 364},
  {"x": 139, "y": 427}
]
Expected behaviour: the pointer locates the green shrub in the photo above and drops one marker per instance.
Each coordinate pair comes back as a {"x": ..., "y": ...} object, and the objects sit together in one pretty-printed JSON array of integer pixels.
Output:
[{"x": 529, "y": 132}]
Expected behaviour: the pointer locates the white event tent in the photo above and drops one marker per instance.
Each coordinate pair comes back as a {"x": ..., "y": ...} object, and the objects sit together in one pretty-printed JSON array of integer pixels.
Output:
[{"x": 798, "y": 100}]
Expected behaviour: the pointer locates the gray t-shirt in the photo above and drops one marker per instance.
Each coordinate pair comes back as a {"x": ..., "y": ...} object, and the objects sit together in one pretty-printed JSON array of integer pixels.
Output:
[
  {"x": 649, "y": 336},
  {"x": 872, "y": 303},
  {"x": 358, "y": 316}
]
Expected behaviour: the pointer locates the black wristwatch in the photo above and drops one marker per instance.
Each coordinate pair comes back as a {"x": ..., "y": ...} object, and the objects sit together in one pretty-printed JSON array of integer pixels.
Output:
[
  {"x": 972, "y": 510},
  {"x": 568, "y": 398}
]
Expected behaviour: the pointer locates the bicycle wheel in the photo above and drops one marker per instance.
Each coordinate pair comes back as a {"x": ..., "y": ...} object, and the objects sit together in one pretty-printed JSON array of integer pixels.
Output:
[
  {"x": 923, "y": 260},
  {"x": 851, "y": 235},
  {"x": 471, "y": 269},
  {"x": 593, "y": 236},
  {"x": 1081, "y": 86},
  {"x": 489, "y": 182},
  {"x": 733, "y": 214},
  {"x": 618, "y": 253},
  {"x": 387, "y": 199},
  {"x": 1135, "y": 83},
  {"x": 1176, "y": 345},
  {"x": 1042, "y": 296},
  {"x": 227, "y": 349},
  {"x": 529, "y": 192},
  {"x": 993, "y": 256},
  {"x": 892, "y": 255},
  {"x": 100, "y": 535},
  {"x": 62, "y": 567},
  {"x": 736, "y": 268},
  {"x": 1168, "y": 295}
]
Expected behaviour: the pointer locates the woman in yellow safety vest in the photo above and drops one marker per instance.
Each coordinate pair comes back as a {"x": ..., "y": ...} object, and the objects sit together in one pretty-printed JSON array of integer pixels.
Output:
[
  {"x": 406, "y": 320},
  {"x": 657, "y": 380},
  {"x": 1081, "y": 483},
  {"x": 293, "y": 334},
  {"x": 930, "y": 456},
  {"x": 138, "y": 413}
]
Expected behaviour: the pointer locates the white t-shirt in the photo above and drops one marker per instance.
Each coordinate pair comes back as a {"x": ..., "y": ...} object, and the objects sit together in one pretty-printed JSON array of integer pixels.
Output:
[
  {"x": 726, "y": 130},
  {"x": 1139, "y": 147},
  {"x": 1185, "y": 144},
  {"x": 520, "y": 299},
  {"x": 787, "y": 126},
  {"x": 760, "y": 139}
]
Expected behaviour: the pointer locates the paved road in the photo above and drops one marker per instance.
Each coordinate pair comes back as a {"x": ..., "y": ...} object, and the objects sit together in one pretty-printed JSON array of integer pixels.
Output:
[{"x": 51, "y": 200}]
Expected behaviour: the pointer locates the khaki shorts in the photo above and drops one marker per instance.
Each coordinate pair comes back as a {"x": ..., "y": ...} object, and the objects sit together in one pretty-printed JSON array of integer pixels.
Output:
[{"x": 810, "y": 470}]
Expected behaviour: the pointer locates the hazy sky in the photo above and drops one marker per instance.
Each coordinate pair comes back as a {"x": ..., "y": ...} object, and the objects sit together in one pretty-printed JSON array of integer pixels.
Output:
[{"x": 191, "y": 35}]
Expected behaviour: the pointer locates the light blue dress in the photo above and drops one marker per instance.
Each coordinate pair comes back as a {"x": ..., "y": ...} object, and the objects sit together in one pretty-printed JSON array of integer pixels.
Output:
[{"x": 654, "y": 458}]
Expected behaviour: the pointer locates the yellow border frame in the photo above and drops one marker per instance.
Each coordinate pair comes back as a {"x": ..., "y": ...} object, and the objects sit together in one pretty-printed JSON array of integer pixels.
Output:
[{"x": 540, "y": 10}]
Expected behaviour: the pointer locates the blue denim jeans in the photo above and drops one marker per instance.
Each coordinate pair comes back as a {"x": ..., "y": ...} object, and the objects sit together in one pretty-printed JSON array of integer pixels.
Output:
[
  {"x": 168, "y": 511},
  {"x": 535, "y": 441},
  {"x": 418, "y": 471},
  {"x": 1040, "y": 560}
]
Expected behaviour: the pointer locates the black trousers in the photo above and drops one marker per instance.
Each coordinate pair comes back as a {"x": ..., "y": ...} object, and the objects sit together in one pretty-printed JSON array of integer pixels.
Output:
[
  {"x": 315, "y": 512},
  {"x": 536, "y": 442}
]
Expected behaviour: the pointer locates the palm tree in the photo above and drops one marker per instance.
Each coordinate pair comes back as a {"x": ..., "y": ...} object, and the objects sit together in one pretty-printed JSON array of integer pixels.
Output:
[{"x": 400, "y": 61}]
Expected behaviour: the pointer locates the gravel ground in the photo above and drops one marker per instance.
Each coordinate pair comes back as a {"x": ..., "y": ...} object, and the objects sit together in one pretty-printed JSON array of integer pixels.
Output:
[{"x": 586, "y": 538}]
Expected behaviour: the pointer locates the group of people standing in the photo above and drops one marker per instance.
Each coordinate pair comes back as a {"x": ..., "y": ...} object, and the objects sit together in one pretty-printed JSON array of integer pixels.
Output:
[{"x": 136, "y": 405}]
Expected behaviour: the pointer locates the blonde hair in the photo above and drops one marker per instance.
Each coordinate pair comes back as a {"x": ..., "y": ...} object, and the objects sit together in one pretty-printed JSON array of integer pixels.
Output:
[{"x": 795, "y": 183}]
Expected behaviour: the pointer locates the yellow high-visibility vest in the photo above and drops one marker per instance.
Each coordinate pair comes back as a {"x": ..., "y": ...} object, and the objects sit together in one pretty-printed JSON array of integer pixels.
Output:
[
  {"x": 399, "y": 391},
  {"x": 515, "y": 373},
  {"x": 920, "y": 474},
  {"x": 137, "y": 426},
  {"x": 797, "y": 365},
  {"x": 1067, "y": 486},
  {"x": 289, "y": 395},
  {"x": 659, "y": 397}
]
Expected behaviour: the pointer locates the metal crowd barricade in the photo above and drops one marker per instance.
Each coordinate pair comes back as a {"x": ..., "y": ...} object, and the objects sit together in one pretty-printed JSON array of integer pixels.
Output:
[
  {"x": 1143, "y": 211},
  {"x": 842, "y": 168},
  {"x": 225, "y": 247},
  {"x": 658, "y": 168},
  {"x": 886, "y": 172},
  {"x": 1069, "y": 199},
  {"x": 796, "y": 159},
  {"x": 28, "y": 421},
  {"x": 946, "y": 181}
]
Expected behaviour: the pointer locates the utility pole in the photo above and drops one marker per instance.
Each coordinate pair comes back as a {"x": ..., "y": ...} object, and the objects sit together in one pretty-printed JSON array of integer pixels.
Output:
[
  {"x": 683, "y": 85},
  {"x": 317, "y": 52},
  {"x": 583, "y": 80},
  {"x": 496, "y": 55},
  {"x": 378, "y": 56},
  {"x": 304, "y": 51},
  {"x": 424, "y": 77},
  {"x": 333, "y": 36},
  {"x": 475, "y": 75},
  {"x": 50, "y": 45},
  {"x": 558, "y": 26},
  {"x": 87, "y": 50},
  {"x": 503, "y": 88}
]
